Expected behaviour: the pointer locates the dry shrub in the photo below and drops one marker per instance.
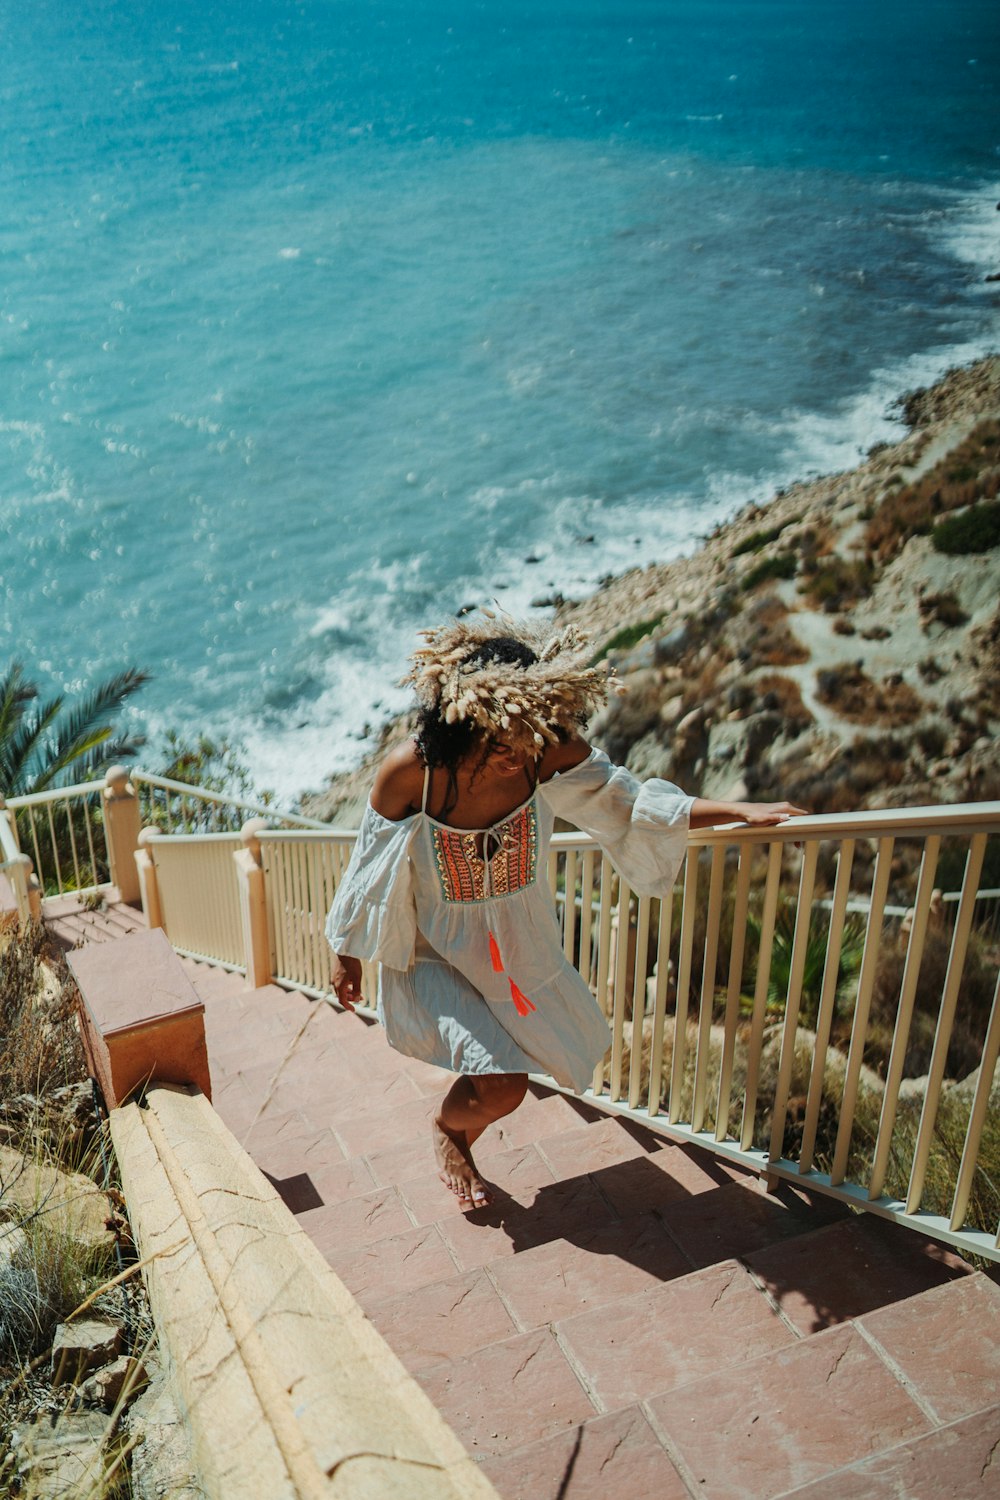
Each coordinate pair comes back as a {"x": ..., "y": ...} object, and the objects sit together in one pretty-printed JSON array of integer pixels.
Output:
[
  {"x": 839, "y": 582},
  {"x": 783, "y": 695},
  {"x": 945, "y": 1156},
  {"x": 855, "y": 696},
  {"x": 975, "y": 1001},
  {"x": 772, "y": 642},
  {"x": 968, "y": 473},
  {"x": 941, "y": 609},
  {"x": 41, "y": 1047}
]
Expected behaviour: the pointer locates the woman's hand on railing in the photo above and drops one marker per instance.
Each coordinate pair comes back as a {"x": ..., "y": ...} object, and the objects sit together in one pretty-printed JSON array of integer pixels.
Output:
[
  {"x": 345, "y": 976},
  {"x": 755, "y": 814}
]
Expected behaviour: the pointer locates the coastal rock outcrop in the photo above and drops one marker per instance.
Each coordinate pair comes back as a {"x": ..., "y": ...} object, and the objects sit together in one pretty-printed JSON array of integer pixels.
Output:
[{"x": 832, "y": 647}]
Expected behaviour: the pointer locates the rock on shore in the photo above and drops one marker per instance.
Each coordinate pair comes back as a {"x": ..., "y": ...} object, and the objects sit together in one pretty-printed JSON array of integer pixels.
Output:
[{"x": 824, "y": 647}]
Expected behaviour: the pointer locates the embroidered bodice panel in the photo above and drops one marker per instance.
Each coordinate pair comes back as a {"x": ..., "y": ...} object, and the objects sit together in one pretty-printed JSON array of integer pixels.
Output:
[{"x": 507, "y": 864}]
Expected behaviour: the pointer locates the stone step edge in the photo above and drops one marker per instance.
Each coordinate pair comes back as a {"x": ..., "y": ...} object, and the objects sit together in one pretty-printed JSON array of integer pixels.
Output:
[{"x": 288, "y": 1390}]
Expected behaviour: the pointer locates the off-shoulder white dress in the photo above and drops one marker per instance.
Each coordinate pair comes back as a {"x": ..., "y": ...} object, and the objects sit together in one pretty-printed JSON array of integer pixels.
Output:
[{"x": 472, "y": 975}]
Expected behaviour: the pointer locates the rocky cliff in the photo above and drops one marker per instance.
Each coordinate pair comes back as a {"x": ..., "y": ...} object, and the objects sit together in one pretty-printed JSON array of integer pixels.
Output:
[{"x": 839, "y": 646}]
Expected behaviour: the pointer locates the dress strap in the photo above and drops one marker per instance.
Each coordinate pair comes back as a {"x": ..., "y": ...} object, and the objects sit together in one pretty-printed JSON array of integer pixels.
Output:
[{"x": 427, "y": 787}]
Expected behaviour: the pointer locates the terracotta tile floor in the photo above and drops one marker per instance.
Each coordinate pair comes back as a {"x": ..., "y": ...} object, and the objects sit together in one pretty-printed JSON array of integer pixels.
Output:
[{"x": 629, "y": 1313}]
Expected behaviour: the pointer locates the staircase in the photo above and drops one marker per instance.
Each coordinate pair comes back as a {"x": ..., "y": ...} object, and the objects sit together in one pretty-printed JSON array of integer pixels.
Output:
[{"x": 629, "y": 1313}]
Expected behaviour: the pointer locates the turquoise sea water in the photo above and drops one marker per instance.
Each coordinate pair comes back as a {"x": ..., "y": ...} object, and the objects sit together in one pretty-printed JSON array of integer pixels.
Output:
[{"x": 321, "y": 320}]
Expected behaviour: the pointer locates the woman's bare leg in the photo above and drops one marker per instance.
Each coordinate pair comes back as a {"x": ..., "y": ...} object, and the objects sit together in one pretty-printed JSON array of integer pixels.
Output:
[{"x": 472, "y": 1103}]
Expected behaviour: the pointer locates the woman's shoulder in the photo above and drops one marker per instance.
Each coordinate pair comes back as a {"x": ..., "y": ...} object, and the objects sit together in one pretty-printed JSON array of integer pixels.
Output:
[
  {"x": 398, "y": 787},
  {"x": 563, "y": 756}
]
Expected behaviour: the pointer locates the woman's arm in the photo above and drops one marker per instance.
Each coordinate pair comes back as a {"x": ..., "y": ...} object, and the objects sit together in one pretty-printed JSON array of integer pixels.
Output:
[{"x": 705, "y": 813}]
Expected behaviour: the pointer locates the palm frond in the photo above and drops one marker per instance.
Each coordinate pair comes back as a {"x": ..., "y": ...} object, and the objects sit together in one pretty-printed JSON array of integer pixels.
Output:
[
  {"x": 15, "y": 693},
  {"x": 105, "y": 753},
  {"x": 25, "y": 749},
  {"x": 95, "y": 712}
]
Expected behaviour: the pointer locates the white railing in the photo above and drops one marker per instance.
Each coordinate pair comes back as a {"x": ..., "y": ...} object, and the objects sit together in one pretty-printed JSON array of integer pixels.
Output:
[
  {"x": 15, "y": 866},
  {"x": 301, "y": 874},
  {"x": 778, "y": 1008},
  {"x": 176, "y": 807},
  {"x": 198, "y": 895},
  {"x": 62, "y": 831},
  {"x": 65, "y": 832}
]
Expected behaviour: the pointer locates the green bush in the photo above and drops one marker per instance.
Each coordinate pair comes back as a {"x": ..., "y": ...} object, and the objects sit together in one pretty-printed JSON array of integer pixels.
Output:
[
  {"x": 974, "y": 530},
  {"x": 781, "y": 566},
  {"x": 758, "y": 539},
  {"x": 840, "y": 581},
  {"x": 629, "y": 636}
]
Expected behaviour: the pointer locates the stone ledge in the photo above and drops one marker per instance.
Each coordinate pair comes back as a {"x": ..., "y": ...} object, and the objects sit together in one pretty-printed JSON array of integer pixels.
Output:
[{"x": 289, "y": 1390}]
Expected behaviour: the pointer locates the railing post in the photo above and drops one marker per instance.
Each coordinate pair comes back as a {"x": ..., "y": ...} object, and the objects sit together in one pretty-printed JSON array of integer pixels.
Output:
[
  {"x": 121, "y": 828},
  {"x": 145, "y": 870},
  {"x": 253, "y": 905},
  {"x": 11, "y": 818}
]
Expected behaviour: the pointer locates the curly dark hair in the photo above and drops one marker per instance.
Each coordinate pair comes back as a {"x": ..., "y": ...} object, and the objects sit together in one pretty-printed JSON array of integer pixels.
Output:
[{"x": 442, "y": 744}]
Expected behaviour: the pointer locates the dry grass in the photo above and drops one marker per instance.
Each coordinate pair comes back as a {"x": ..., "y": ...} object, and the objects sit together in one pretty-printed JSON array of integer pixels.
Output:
[
  {"x": 855, "y": 696},
  {"x": 783, "y": 695},
  {"x": 941, "y": 609},
  {"x": 970, "y": 472},
  {"x": 42, "y": 1051},
  {"x": 46, "y": 1270},
  {"x": 773, "y": 644},
  {"x": 838, "y": 582}
]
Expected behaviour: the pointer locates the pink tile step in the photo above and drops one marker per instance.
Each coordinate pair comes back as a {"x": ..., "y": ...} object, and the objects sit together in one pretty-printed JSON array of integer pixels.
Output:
[
  {"x": 656, "y": 1340},
  {"x": 616, "y": 1455},
  {"x": 509, "y": 1394},
  {"x": 660, "y": 1178},
  {"x": 756, "y": 1430},
  {"x": 947, "y": 1344},
  {"x": 379, "y": 1129},
  {"x": 401, "y": 1263},
  {"x": 557, "y": 1210},
  {"x": 354, "y": 1222},
  {"x": 958, "y": 1462},
  {"x": 600, "y": 1265},
  {"x": 850, "y": 1268},
  {"x": 588, "y": 1148},
  {"x": 734, "y": 1220},
  {"x": 542, "y": 1115},
  {"x": 446, "y": 1320}
]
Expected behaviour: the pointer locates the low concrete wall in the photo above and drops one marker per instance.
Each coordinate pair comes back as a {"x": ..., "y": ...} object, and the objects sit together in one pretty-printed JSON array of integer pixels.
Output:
[{"x": 288, "y": 1389}]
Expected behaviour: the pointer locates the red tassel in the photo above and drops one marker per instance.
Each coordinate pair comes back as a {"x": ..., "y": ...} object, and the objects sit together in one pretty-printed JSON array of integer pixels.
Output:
[
  {"x": 522, "y": 1004},
  {"x": 495, "y": 958}
]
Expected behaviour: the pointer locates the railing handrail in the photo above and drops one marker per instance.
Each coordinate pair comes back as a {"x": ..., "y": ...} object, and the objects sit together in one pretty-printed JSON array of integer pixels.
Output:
[
  {"x": 275, "y": 835},
  {"x": 54, "y": 794},
  {"x": 257, "y": 809},
  {"x": 962, "y": 818},
  {"x": 891, "y": 822},
  {"x": 155, "y": 836},
  {"x": 166, "y": 784}
]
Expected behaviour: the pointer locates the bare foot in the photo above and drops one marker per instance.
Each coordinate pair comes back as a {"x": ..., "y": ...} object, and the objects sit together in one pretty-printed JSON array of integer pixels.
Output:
[{"x": 456, "y": 1168}]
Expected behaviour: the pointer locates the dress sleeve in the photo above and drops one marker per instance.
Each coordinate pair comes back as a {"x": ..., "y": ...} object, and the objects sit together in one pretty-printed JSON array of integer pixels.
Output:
[
  {"x": 373, "y": 914},
  {"x": 641, "y": 825}
]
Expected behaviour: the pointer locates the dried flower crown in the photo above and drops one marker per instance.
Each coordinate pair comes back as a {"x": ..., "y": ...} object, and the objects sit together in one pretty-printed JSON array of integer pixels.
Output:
[{"x": 526, "y": 706}]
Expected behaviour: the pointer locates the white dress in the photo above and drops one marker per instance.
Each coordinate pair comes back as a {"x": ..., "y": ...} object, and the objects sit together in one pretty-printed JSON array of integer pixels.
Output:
[{"x": 472, "y": 975}]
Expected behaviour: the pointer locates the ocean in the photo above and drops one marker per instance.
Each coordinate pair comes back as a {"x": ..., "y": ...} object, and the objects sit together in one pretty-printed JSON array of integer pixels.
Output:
[{"x": 321, "y": 320}]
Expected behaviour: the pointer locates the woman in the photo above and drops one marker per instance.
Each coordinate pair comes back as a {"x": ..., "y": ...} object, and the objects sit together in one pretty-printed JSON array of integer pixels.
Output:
[{"x": 446, "y": 886}]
